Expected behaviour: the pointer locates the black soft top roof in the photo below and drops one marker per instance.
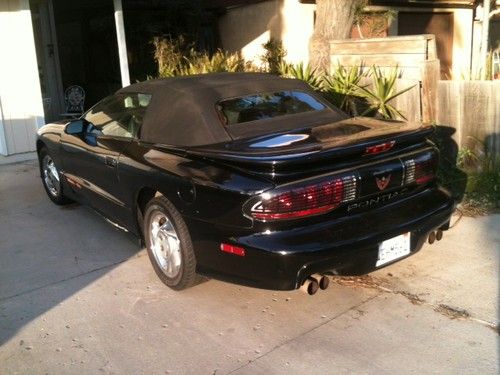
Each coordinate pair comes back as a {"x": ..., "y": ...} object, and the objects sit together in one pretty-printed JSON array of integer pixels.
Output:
[{"x": 182, "y": 111}]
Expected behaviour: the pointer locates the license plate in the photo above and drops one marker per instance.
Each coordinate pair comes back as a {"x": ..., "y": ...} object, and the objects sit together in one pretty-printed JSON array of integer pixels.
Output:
[{"x": 393, "y": 248}]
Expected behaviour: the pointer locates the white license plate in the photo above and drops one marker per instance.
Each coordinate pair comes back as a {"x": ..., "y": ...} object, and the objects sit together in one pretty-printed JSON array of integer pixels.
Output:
[{"x": 393, "y": 248}]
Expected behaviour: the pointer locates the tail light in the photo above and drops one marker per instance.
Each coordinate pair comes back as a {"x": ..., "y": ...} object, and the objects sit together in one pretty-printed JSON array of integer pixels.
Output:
[
  {"x": 421, "y": 169},
  {"x": 382, "y": 147},
  {"x": 305, "y": 201}
]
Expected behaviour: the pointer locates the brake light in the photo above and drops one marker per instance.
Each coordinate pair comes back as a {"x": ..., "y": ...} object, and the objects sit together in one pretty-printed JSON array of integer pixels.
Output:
[
  {"x": 421, "y": 169},
  {"x": 377, "y": 149},
  {"x": 306, "y": 201}
]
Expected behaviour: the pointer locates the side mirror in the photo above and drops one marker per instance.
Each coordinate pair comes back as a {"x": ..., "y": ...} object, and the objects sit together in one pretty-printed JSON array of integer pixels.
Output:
[
  {"x": 90, "y": 139},
  {"x": 76, "y": 127}
]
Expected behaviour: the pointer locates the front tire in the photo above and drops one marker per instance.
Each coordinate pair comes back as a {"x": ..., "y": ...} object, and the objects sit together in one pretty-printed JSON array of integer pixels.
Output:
[
  {"x": 51, "y": 178},
  {"x": 169, "y": 245}
]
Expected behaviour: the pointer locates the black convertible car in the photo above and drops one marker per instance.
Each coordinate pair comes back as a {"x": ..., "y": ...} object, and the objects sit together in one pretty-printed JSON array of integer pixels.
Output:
[{"x": 249, "y": 178}]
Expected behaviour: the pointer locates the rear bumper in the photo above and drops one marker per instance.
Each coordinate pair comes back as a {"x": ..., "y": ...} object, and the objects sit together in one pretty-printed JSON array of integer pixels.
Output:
[{"x": 282, "y": 260}]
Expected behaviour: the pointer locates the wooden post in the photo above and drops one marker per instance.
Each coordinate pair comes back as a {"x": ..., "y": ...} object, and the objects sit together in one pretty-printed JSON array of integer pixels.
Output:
[{"x": 430, "y": 78}]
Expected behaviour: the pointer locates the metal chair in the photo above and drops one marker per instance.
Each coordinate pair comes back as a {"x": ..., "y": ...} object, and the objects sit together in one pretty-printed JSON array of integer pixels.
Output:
[{"x": 74, "y": 98}]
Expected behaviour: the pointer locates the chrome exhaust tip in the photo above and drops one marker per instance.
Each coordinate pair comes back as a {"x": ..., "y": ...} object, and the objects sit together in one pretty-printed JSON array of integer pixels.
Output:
[
  {"x": 323, "y": 281},
  {"x": 439, "y": 235},
  {"x": 432, "y": 237},
  {"x": 310, "y": 286}
]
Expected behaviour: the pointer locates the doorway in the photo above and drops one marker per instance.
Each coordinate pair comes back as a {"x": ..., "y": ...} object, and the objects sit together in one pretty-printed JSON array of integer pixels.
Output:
[
  {"x": 75, "y": 44},
  {"x": 441, "y": 25}
]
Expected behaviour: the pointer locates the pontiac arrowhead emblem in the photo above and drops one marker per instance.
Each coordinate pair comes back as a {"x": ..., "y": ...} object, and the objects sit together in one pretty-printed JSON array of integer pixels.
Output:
[{"x": 383, "y": 181}]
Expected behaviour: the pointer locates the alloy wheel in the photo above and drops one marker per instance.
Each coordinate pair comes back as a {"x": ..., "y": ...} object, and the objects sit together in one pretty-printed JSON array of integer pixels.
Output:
[{"x": 165, "y": 244}]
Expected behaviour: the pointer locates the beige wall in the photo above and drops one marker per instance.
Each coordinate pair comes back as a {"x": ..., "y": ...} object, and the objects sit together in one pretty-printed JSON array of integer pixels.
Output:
[
  {"x": 246, "y": 28},
  {"x": 21, "y": 109},
  {"x": 462, "y": 42}
]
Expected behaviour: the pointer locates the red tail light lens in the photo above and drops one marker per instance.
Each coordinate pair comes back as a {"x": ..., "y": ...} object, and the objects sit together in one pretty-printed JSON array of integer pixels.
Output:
[
  {"x": 305, "y": 201},
  {"x": 421, "y": 169},
  {"x": 377, "y": 149}
]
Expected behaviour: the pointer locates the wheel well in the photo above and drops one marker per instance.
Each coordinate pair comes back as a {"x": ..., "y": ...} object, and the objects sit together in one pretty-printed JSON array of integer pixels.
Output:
[
  {"x": 39, "y": 146},
  {"x": 144, "y": 196}
]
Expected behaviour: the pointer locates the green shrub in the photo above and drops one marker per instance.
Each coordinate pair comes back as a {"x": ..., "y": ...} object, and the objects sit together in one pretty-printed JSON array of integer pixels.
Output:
[
  {"x": 177, "y": 57},
  {"x": 168, "y": 55},
  {"x": 220, "y": 61},
  {"x": 483, "y": 182},
  {"x": 273, "y": 56}
]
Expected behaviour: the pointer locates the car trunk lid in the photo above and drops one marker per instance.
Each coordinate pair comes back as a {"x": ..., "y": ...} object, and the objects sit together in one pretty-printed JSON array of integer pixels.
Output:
[{"x": 309, "y": 151}]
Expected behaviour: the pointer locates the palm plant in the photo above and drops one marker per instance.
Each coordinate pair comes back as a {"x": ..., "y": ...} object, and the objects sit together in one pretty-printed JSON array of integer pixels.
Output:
[
  {"x": 305, "y": 73},
  {"x": 342, "y": 85},
  {"x": 381, "y": 94}
]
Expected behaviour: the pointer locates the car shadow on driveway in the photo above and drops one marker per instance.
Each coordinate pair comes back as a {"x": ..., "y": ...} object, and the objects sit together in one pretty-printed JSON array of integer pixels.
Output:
[{"x": 44, "y": 245}]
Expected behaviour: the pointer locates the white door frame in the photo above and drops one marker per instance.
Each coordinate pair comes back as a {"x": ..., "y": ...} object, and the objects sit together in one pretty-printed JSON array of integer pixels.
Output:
[
  {"x": 122, "y": 42},
  {"x": 3, "y": 140}
]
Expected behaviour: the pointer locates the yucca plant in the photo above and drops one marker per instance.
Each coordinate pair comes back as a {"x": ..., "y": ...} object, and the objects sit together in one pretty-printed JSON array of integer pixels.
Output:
[
  {"x": 382, "y": 92},
  {"x": 305, "y": 73},
  {"x": 342, "y": 85},
  {"x": 284, "y": 69}
]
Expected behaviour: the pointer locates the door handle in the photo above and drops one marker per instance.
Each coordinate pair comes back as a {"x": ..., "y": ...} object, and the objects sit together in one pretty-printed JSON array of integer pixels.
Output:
[{"x": 110, "y": 161}]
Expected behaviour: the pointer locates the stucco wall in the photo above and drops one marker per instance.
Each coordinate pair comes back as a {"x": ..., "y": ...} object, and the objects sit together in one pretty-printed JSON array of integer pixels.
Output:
[
  {"x": 462, "y": 42},
  {"x": 21, "y": 109},
  {"x": 246, "y": 28}
]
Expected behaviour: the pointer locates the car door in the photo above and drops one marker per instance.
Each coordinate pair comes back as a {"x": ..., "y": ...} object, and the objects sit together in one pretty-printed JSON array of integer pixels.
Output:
[{"x": 90, "y": 160}]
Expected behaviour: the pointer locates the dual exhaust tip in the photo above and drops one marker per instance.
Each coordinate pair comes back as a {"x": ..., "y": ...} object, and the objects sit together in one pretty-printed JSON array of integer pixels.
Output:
[
  {"x": 435, "y": 236},
  {"x": 315, "y": 282}
]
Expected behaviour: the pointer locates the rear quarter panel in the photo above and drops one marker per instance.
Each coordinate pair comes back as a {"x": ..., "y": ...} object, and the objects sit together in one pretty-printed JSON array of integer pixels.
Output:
[{"x": 198, "y": 189}]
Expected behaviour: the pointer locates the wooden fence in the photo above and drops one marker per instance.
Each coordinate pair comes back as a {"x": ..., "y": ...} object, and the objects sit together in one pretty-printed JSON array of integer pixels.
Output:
[
  {"x": 473, "y": 108},
  {"x": 416, "y": 58}
]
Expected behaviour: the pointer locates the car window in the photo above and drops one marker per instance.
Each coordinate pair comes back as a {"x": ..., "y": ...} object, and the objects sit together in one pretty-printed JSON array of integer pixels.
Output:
[
  {"x": 119, "y": 115},
  {"x": 266, "y": 105}
]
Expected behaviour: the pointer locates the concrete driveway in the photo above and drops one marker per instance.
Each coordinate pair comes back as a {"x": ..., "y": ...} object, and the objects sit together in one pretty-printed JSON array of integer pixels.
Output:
[{"x": 79, "y": 296}]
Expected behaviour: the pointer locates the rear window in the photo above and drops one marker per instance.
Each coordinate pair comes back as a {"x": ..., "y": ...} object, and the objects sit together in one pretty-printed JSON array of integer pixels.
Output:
[{"x": 266, "y": 105}]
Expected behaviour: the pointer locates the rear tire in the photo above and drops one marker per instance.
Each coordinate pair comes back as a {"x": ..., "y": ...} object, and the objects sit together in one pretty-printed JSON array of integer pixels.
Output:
[
  {"x": 169, "y": 245},
  {"x": 51, "y": 178}
]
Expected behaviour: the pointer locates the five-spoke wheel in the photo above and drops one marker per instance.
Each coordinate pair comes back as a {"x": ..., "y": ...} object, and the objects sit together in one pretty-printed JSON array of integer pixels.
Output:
[
  {"x": 169, "y": 244},
  {"x": 51, "y": 178}
]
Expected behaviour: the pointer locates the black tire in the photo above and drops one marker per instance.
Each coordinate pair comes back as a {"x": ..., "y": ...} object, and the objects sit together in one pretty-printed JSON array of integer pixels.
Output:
[
  {"x": 56, "y": 190},
  {"x": 186, "y": 271}
]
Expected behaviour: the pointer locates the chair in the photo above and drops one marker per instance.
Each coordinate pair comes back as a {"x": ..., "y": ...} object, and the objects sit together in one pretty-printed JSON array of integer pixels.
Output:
[{"x": 74, "y": 98}]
